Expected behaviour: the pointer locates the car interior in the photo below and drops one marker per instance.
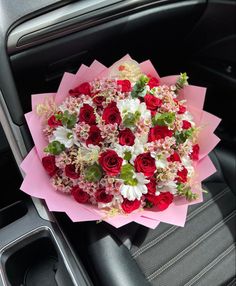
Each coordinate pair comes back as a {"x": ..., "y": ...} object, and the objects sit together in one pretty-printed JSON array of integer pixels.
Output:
[{"x": 39, "y": 41}]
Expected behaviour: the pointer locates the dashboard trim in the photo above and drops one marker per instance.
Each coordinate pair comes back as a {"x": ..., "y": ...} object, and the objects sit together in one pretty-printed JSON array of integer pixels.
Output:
[{"x": 78, "y": 16}]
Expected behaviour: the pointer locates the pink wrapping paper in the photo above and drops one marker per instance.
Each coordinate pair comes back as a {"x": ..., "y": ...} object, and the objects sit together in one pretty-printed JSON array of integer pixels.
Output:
[{"x": 37, "y": 184}]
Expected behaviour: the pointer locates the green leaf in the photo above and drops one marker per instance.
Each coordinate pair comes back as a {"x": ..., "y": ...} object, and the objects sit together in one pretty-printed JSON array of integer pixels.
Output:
[
  {"x": 143, "y": 80},
  {"x": 162, "y": 119},
  {"x": 148, "y": 205},
  {"x": 181, "y": 137},
  {"x": 55, "y": 148},
  {"x": 69, "y": 135},
  {"x": 181, "y": 81},
  {"x": 137, "y": 115},
  {"x": 127, "y": 175},
  {"x": 128, "y": 155},
  {"x": 127, "y": 172},
  {"x": 68, "y": 119},
  {"x": 139, "y": 89},
  {"x": 71, "y": 121},
  {"x": 127, "y": 168},
  {"x": 185, "y": 191},
  {"x": 59, "y": 116},
  {"x": 93, "y": 173},
  {"x": 130, "y": 119}
]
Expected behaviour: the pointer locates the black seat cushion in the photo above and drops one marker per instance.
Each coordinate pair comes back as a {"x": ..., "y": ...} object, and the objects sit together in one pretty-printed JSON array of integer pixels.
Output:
[{"x": 201, "y": 253}]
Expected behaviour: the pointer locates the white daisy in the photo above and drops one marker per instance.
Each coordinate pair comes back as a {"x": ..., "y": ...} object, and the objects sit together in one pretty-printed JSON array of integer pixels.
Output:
[
  {"x": 160, "y": 160},
  {"x": 64, "y": 136},
  {"x": 132, "y": 106},
  {"x": 138, "y": 148},
  {"x": 134, "y": 150},
  {"x": 135, "y": 192},
  {"x": 122, "y": 149}
]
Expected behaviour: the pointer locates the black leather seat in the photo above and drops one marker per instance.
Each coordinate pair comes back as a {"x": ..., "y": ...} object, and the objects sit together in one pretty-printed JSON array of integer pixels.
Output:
[{"x": 202, "y": 253}]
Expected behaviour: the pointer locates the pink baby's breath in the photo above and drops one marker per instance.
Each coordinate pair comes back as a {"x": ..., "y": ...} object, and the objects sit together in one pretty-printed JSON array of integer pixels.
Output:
[
  {"x": 62, "y": 160},
  {"x": 82, "y": 131},
  {"x": 62, "y": 184}
]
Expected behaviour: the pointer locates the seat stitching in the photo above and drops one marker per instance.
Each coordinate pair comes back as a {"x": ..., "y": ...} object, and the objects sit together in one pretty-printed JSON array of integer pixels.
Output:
[
  {"x": 173, "y": 228},
  {"x": 190, "y": 247},
  {"x": 210, "y": 265},
  {"x": 232, "y": 282}
]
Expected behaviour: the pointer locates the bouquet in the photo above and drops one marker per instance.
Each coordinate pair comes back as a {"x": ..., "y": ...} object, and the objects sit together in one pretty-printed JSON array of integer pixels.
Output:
[{"x": 120, "y": 145}]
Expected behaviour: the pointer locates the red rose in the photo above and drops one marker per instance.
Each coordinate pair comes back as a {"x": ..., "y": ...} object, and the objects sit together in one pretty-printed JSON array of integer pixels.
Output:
[
  {"x": 79, "y": 195},
  {"x": 174, "y": 157},
  {"x": 186, "y": 124},
  {"x": 83, "y": 88},
  {"x": 129, "y": 206},
  {"x": 111, "y": 114},
  {"x": 182, "y": 109},
  {"x": 53, "y": 122},
  {"x": 71, "y": 172},
  {"x": 87, "y": 115},
  {"x": 153, "y": 81},
  {"x": 158, "y": 132},
  {"x": 94, "y": 137},
  {"x": 151, "y": 198},
  {"x": 110, "y": 162},
  {"x": 98, "y": 100},
  {"x": 49, "y": 165},
  {"x": 152, "y": 186},
  {"x": 152, "y": 102},
  {"x": 126, "y": 137},
  {"x": 103, "y": 197},
  {"x": 146, "y": 164},
  {"x": 195, "y": 152},
  {"x": 162, "y": 201},
  {"x": 182, "y": 175},
  {"x": 125, "y": 85}
]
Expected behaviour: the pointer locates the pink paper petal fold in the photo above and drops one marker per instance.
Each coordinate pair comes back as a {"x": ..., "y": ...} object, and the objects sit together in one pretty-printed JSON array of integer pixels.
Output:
[
  {"x": 195, "y": 95},
  {"x": 79, "y": 76},
  {"x": 169, "y": 80},
  {"x": 95, "y": 70},
  {"x": 149, "y": 69},
  {"x": 207, "y": 143},
  {"x": 31, "y": 189},
  {"x": 64, "y": 87},
  {"x": 175, "y": 214},
  {"x": 121, "y": 220},
  {"x": 35, "y": 127},
  {"x": 36, "y": 182},
  {"x": 205, "y": 168},
  {"x": 40, "y": 98},
  {"x": 145, "y": 221}
]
